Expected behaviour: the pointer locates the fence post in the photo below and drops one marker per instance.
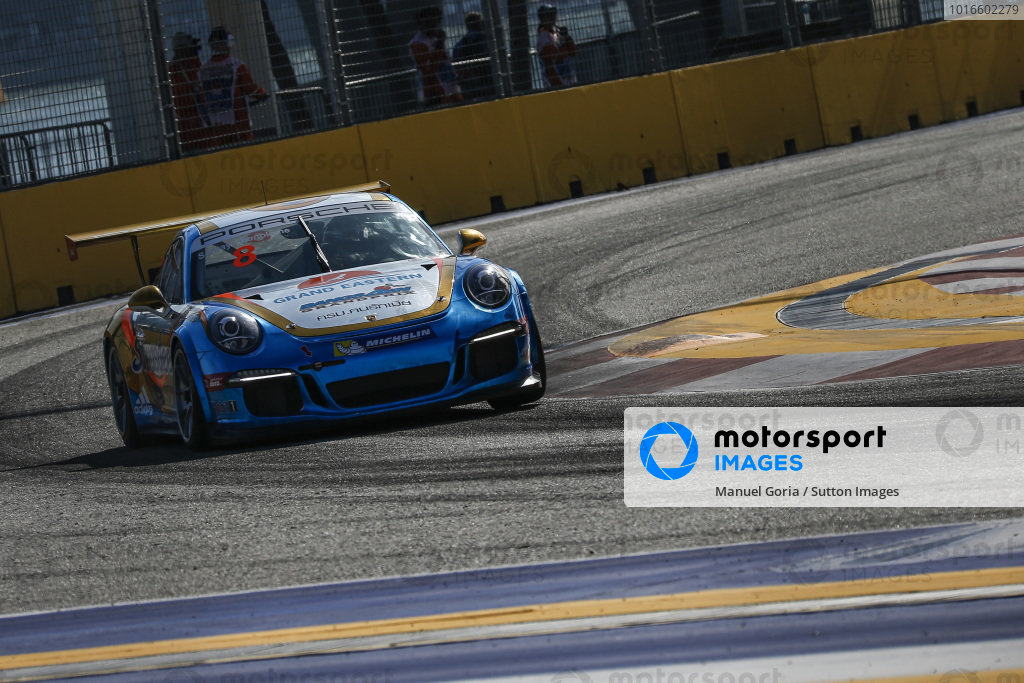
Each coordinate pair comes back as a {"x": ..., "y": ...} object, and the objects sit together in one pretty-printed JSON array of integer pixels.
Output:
[{"x": 519, "y": 46}]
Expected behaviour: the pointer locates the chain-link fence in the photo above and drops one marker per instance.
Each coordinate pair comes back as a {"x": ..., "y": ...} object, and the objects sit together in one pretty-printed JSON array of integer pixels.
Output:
[{"x": 87, "y": 85}]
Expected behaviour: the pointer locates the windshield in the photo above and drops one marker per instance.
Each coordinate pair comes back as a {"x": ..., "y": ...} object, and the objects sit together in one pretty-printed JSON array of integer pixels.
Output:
[{"x": 278, "y": 248}]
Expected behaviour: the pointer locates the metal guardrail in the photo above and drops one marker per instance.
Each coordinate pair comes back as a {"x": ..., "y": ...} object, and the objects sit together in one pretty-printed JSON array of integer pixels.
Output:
[
  {"x": 304, "y": 110},
  {"x": 55, "y": 152}
]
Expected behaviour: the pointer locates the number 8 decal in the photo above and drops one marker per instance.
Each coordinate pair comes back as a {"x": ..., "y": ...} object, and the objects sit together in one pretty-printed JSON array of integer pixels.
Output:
[{"x": 244, "y": 256}]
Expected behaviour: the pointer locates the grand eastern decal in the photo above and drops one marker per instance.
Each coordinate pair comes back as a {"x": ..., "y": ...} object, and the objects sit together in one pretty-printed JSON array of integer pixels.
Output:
[
  {"x": 332, "y": 278},
  {"x": 376, "y": 292},
  {"x": 382, "y": 292},
  {"x": 359, "y": 278}
]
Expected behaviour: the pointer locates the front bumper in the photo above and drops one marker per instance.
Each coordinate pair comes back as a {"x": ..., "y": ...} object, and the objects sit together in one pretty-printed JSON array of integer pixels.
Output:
[{"x": 464, "y": 355}]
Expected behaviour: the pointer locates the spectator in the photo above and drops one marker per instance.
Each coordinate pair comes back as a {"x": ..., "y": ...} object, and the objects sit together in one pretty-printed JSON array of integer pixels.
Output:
[
  {"x": 188, "y": 100},
  {"x": 436, "y": 79},
  {"x": 228, "y": 89},
  {"x": 555, "y": 49},
  {"x": 476, "y": 79}
]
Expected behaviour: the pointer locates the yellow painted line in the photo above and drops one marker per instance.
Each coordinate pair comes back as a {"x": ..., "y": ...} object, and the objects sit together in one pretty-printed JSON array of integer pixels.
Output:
[
  {"x": 577, "y": 609},
  {"x": 751, "y": 329},
  {"x": 994, "y": 676}
]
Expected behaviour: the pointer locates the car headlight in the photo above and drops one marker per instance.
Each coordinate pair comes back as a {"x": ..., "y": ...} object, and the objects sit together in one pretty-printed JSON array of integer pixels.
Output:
[
  {"x": 487, "y": 285},
  {"x": 234, "y": 331}
]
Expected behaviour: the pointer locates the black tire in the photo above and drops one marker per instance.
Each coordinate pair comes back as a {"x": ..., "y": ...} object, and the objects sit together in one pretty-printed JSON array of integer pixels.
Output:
[
  {"x": 120, "y": 398},
  {"x": 187, "y": 406},
  {"x": 536, "y": 392}
]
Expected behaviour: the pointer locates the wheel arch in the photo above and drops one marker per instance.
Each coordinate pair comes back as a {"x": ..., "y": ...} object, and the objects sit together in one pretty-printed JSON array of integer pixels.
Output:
[{"x": 184, "y": 343}]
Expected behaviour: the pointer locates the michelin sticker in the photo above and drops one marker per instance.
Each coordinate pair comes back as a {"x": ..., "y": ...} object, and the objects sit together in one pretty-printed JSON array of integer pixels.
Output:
[
  {"x": 381, "y": 341},
  {"x": 348, "y": 347}
]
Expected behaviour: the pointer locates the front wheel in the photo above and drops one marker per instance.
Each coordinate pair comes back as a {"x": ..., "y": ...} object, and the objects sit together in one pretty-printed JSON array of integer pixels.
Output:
[
  {"x": 189, "y": 409},
  {"x": 121, "y": 399},
  {"x": 540, "y": 373}
]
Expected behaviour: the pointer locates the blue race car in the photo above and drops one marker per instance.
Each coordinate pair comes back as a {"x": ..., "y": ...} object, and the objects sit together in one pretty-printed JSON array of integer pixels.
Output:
[{"x": 315, "y": 309}]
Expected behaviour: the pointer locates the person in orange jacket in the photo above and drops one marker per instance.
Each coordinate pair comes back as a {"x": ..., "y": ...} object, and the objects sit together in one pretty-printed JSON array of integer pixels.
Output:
[
  {"x": 435, "y": 74},
  {"x": 228, "y": 89},
  {"x": 185, "y": 94}
]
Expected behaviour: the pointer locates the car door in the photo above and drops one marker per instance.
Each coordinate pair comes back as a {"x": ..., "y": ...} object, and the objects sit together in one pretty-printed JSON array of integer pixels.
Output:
[{"x": 153, "y": 329}]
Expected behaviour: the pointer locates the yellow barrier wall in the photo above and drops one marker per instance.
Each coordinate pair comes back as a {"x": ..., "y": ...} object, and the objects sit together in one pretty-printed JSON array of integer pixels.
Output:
[
  {"x": 7, "y": 307},
  {"x": 747, "y": 108},
  {"x": 449, "y": 163},
  {"x": 603, "y": 135},
  {"x": 36, "y": 219},
  {"x": 980, "y": 61},
  {"x": 283, "y": 168},
  {"x": 876, "y": 82}
]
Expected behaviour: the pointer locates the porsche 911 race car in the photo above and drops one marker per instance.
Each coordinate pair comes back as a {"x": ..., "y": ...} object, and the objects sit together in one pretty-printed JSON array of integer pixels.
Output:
[{"x": 313, "y": 309}]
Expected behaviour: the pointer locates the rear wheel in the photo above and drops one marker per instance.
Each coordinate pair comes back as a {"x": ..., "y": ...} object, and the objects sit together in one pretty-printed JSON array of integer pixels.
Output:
[
  {"x": 121, "y": 399},
  {"x": 535, "y": 392},
  {"x": 189, "y": 410}
]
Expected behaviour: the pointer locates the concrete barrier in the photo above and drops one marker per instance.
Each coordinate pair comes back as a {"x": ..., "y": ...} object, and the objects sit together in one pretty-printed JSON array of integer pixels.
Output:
[
  {"x": 747, "y": 110},
  {"x": 36, "y": 219},
  {"x": 454, "y": 163},
  {"x": 275, "y": 170},
  {"x": 602, "y": 137},
  {"x": 979, "y": 66},
  {"x": 876, "y": 85},
  {"x": 7, "y": 306}
]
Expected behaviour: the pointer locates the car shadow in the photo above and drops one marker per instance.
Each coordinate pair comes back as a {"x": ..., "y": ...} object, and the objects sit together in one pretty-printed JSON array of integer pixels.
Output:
[{"x": 167, "y": 450}]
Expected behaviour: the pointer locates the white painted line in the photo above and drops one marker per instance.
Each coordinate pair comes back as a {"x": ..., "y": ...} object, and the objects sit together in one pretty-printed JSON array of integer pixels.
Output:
[{"x": 602, "y": 372}]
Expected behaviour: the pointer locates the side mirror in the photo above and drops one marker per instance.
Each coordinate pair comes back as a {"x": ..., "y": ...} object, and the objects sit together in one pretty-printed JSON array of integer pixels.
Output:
[
  {"x": 148, "y": 297},
  {"x": 470, "y": 242}
]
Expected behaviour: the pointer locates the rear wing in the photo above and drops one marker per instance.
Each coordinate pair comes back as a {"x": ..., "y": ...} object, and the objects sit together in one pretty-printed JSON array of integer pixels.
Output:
[{"x": 133, "y": 232}]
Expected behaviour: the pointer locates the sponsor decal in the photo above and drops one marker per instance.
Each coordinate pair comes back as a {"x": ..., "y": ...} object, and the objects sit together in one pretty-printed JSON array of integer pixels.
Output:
[
  {"x": 383, "y": 341},
  {"x": 353, "y": 279},
  {"x": 155, "y": 358},
  {"x": 376, "y": 292},
  {"x": 348, "y": 347},
  {"x": 222, "y": 407},
  {"x": 284, "y": 220},
  {"x": 216, "y": 382},
  {"x": 331, "y": 278},
  {"x": 136, "y": 364},
  {"x": 300, "y": 295},
  {"x": 143, "y": 406},
  {"x": 364, "y": 309},
  {"x": 260, "y": 236}
]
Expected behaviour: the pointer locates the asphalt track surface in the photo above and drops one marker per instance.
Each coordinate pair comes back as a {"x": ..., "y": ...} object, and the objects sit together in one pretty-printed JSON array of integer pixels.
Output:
[{"x": 85, "y": 521}]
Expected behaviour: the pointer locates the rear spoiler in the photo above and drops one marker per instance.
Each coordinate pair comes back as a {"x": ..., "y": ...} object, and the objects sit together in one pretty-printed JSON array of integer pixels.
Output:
[{"x": 133, "y": 232}]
